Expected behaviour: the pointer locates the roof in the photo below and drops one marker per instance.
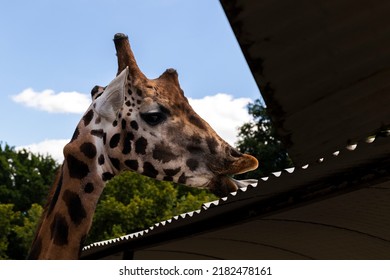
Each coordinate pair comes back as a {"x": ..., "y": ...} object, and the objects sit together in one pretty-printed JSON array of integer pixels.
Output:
[
  {"x": 291, "y": 214},
  {"x": 322, "y": 68}
]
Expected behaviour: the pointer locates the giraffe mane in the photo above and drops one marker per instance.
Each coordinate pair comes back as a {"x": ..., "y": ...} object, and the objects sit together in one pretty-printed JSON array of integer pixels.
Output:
[{"x": 49, "y": 199}]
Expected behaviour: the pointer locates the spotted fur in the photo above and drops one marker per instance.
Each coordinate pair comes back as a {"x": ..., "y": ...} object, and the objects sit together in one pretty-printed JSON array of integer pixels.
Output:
[
  {"x": 77, "y": 168},
  {"x": 59, "y": 230},
  {"x": 75, "y": 208},
  {"x": 88, "y": 149}
]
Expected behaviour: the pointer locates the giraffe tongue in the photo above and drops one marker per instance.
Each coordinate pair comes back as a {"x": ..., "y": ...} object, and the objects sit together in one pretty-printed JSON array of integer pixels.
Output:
[
  {"x": 245, "y": 183},
  {"x": 222, "y": 185}
]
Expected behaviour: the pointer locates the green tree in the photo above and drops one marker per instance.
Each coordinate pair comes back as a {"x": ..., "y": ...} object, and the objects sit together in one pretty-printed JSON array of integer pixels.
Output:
[
  {"x": 23, "y": 231},
  {"x": 17, "y": 230},
  {"x": 132, "y": 202},
  {"x": 7, "y": 217},
  {"x": 258, "y": 138},
  {"x": 25, "y": 178}
]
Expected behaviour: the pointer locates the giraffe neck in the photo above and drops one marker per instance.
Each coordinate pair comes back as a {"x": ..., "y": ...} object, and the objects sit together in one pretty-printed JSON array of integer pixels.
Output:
[{"x": 68, "y": 216}]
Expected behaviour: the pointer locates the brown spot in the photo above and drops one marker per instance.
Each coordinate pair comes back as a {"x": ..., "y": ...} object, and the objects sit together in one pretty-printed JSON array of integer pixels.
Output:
[
  {"x": 212, "y": 144},
  {"x": 54, "y": 199},
  {"x": 76, "y": 209},
  {"x": 134, "y": 125},
  {"x": 88, "y": 149},
  {"x": 76, "y": 134},
  {"x": 163, "y": 153},
  {"x": 115, "y": 162},
  {"x": 182, "y": 179},
  {"x": 196, "y": 139},
  {"x": 193, "y": 164},
  {"x": 59, "y": 230},
  {"x": 97, "y": 132},
  {"x": 194, "y": 149},
  {"x": 168, "y": 178},
  {"x": 132, "y": 164},
  {"x": 140, "y": 145},
  {"x": 77, "y": 168},
  {"x": 149, "y": 170},
  {"x": 115, "y": 140},
  {"x": 88, "y": 117},
  {"x": 197, "y": 121},
  {"x": 107, "y": 176},
  {"x": 127, "y": 143},
  {"x": 89, "y": 188},
  {"x": 101, "y": 160},
  {"x": 172, "y": 172}
]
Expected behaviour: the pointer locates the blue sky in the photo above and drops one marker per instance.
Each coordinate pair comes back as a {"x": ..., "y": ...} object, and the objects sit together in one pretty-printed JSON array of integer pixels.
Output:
[{"x": 50, "y": 50}]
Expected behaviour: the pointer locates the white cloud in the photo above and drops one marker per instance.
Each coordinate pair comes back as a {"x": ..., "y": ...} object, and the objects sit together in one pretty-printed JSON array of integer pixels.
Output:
[
  {"x": 53, "y": 148},
  {"x": 49, "y": 101},
  {"x": 224, "y": 113}
]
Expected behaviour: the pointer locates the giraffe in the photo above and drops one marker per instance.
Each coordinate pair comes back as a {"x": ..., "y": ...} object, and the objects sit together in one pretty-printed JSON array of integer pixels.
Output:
[{"x": 138, "y": 124}]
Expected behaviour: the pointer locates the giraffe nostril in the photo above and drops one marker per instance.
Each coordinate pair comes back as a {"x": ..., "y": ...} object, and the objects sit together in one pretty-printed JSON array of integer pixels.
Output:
[{"x": 235, "y": 153}]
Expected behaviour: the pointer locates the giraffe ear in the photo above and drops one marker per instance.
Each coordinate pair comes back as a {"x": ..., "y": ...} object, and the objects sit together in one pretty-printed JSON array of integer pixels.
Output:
[{"x": 113, "y": 97}]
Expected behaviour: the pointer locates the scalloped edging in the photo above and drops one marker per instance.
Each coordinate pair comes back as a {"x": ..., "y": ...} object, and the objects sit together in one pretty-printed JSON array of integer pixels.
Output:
[{"x": 351, "y": 147}]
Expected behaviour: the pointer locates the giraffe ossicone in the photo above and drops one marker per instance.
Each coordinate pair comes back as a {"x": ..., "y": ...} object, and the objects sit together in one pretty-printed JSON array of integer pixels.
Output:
[{"x": 138, "y": 124}]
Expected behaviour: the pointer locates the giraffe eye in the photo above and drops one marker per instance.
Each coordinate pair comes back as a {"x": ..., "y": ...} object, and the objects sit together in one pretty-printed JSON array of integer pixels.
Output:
[{"x": 154, "y": 118}]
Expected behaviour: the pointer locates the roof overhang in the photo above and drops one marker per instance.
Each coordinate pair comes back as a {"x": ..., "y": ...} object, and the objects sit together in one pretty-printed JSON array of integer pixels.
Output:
[{"x": 322, "y": 67}]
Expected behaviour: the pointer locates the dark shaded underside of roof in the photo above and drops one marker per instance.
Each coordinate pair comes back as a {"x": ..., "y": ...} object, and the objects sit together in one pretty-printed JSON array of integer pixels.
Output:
[
  {"x": 332, "y": 204},
  {"x": 322, "y": 67}
]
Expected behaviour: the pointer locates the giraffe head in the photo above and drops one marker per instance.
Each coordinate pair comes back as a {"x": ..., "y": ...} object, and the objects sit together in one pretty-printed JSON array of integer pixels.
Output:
[{"x": 147, "y": 126}]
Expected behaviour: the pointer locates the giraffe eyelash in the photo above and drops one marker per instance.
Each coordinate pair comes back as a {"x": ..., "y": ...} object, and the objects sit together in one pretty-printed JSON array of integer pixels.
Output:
[{"x": 153, "y": 118}]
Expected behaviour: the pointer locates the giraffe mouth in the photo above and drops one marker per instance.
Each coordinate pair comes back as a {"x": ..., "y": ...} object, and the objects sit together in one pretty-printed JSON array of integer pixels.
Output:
[{"x": 223, "y": 184}]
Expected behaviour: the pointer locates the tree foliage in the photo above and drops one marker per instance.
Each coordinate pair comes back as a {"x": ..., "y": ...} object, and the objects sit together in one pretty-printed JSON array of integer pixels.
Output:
[
  {"x": 258, "y": 138},
  {"x": 129, "y": 203},
  {"x": 25, "y": 178},
  {"x": 17, "y": 230},
  {"x": 132, "y": 202},
  {"x": 7, "y": 217}
]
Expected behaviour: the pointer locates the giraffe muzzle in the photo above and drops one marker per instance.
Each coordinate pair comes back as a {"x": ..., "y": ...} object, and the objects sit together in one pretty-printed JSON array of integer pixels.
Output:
[
  {"x": 242, "y": 164},
  {"x": 222, "y": 184}
]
